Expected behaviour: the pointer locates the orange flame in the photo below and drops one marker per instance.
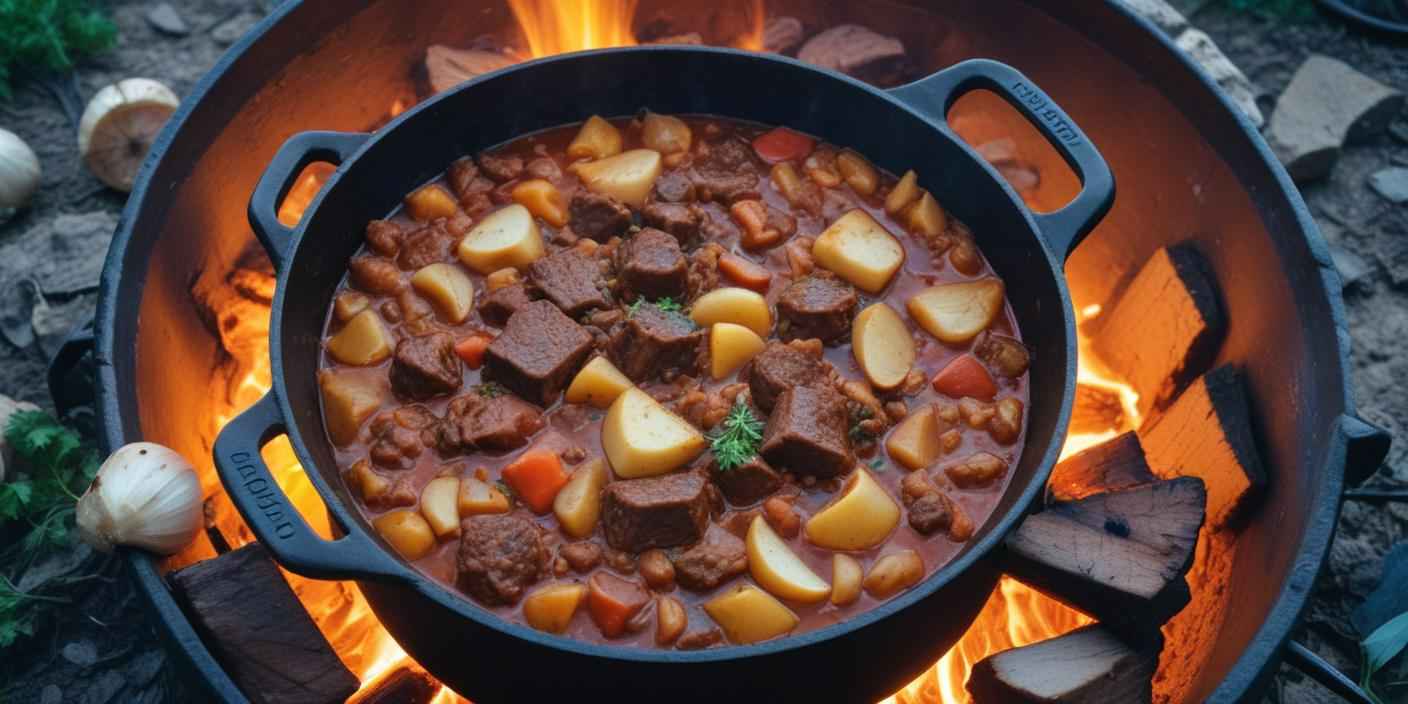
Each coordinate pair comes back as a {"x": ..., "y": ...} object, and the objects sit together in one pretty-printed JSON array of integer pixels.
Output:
[{"x": 555, "y": 27}]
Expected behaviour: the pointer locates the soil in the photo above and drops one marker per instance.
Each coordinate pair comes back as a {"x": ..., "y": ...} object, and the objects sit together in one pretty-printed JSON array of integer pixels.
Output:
[{"x": 103, "y": 651}]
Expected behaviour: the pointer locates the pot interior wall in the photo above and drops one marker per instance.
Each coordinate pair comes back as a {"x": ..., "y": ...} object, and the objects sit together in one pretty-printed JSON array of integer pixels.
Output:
[{"x": 1184, "y": 174}]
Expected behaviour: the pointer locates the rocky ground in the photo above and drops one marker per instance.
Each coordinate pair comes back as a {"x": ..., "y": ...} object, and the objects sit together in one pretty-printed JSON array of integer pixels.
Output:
[{"x": 105, "y": 653}]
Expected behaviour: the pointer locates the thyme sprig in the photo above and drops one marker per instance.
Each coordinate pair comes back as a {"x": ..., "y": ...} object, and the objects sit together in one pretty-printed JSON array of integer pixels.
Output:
[{"x": 737, "y": 438}]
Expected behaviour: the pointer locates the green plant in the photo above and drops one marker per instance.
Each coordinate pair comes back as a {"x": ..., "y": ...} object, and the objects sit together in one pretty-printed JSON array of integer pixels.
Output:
[
  {"x": 1381, "y": 647},
  {"x": 738, "y": 437},
  {"x": 49, "y": 35}
]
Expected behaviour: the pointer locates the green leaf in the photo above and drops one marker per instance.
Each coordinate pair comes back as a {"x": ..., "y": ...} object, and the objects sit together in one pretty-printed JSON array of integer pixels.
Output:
[
  {"x": 737, "y": 439},
  {"x": 49, "y": 35},
  {"x": 1385, "y": 643}
]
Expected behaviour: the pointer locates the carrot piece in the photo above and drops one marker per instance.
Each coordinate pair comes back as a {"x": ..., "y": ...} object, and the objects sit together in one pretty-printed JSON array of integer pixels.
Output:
[
  {"x": 536, "y": 476},
  {"x": 471, "y": 350},
  {"x": 782, "y": 144},
  {"x": 745, "y": 273},
  {"x": 613, "y": 602},
  {"x": 965, "y": 376}
]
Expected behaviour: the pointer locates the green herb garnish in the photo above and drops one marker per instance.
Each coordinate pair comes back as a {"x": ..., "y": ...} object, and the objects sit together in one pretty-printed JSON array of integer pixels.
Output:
[
  {"x": 490, "y": 390},
  {"x": 737, "y": 439},
  {"x": 49, "y": 35},
  {"x": 669, "y": 305}
]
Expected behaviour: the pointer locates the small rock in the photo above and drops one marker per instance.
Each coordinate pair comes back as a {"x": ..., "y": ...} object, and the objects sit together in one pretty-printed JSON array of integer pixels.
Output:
[
  {"x": 229, "y": 31},
  {"x": 54, "y": 321},
  {"x": 1162, "y": 14},
  {"x": 1391, "y": 183},
  {"x": 1352, "y": 267},
  {"x": 78, "y": 246},
  {"x": 17, "y": 302},
  {"x": 1327, "y": 105},
  {"x": 782, "y": 35},
  {"x": 1235, "y": 84},
  {"x": 167, "y": 20},
  {"x": 81, "y": 653},
  {"x": 1392, "y": 253}
]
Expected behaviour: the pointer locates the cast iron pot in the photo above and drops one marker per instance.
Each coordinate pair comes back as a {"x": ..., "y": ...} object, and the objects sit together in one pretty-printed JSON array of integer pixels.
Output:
[{"x": 482, "y": 656}]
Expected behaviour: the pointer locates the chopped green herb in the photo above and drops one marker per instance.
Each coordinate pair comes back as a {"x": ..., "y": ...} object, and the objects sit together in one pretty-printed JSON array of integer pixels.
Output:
[
  {"x": 669, "y": 305},
  {"x": 737, "y": 439},
  {"x": 634, "y": 306},
  {"x": 490, "y": 390},
  {"x": 49, "y": 35},
  {"x": 861, "y": 436},
  {"x": 878, "y": 464}
]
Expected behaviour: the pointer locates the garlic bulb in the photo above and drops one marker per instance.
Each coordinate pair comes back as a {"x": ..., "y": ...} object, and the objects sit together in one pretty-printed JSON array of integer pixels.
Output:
[
  {"x": 9, "y": 407},
  {"x": 119, "y": 126},
  {"x": 19, "y": 171},
  {"x": 146, "y": 496}
]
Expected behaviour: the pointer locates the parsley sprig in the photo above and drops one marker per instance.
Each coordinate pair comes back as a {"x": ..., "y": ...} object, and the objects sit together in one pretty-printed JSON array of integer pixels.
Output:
[
  {"x": 49, "y": 35},
  {"x": 737, "y": 438}
]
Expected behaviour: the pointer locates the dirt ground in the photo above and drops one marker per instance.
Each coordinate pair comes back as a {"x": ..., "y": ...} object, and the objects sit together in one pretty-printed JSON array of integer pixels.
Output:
[{"x": 116, "y": 659}]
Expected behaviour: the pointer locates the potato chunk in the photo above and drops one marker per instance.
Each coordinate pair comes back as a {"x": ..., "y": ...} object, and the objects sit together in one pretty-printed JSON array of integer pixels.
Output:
[
  {"x": 597, "y": 139},
  {"x": 477, "y": 497},
  {"x": 578, "y": 505},
  {"x": 349, "y": 399},
  {"x": 348, "y": 304},
  {"x": 429, "y": 202},
  {"x": 882, "y": 345},
  {"x": 439, "y": 504},
  {"x": 955, "y": 313},
  {"x": 860, "y": 251},
  {"x": 665, "y": 134},
  {"x": 407, "y": 532},
  {"x": 551, "y": 608},
  {"x": 859, "y": 519},
  {"x": 642, "y": 439},
  {"x": 362, "y": 341},
  {"x": 598, "y": 384},
  {"x": 733, "y": 305},
  {"x": 777, "y": 569},
  {"x": 857, "y": 172},
  {"x": 542, "y": 199},
  {"x": 627, "y": 177},
  {"x": 448, "y": 288},
  {"x": 894, "y": 573},
  {"x": 905, "y": 193},
  {"x": 507, "y": 237},
  {"x": 926, "y": 217},
  {"x": 748, "y": 614},
  {"x": 730, "y": 347},
  {"x": 846, "y": 574},
  {"x": 915, "y": 441}
]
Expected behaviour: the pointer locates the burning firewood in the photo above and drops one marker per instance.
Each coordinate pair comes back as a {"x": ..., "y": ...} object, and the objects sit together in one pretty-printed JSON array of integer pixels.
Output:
[
  {"x": 1086, "y": 665},
  {"x": 857, "y": 51},
  {"x": 1096, "y": 410},
  {"x": 257, "y": 628},
  {"x": 1119, "y": 556},
  {"x": 404, "y": 686},
  {"x": 1164, "y": 329},
  {"x": 1207, "y": 433},
  {"x": 782, "y": 35},
  {"x": 1112, "y": 465},
  {"x": 446, "y": 68}
]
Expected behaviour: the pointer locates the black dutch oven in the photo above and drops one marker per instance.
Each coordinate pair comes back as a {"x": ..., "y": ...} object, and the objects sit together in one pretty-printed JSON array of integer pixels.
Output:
[{"x": 477, "y": 653}]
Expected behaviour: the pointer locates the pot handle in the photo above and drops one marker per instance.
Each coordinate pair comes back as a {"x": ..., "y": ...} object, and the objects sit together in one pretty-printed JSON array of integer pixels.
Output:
[
  {"x": 1064, "y": 228},
  {"x": 1367, "y": 446},
  {"x": 299, "y": 151},
  {"x": 273, "y": 518}
]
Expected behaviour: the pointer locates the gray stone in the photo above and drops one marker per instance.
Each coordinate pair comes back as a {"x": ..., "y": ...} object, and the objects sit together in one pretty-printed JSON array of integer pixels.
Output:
[
  {"x": 1352, "y": 267},
  {"x": 17, "y": 302},
  {"x": 54, "y": 321},
  {"x": 1235, "y": 84},
  {"x": 1393, "y": 255},
  {"x": 64, "y": 255},
  {"x": 81, "y": 653},
  {"x": 229, "y": 31},
  {"x": 56, "y": 567},
  {"x": 1391, "y": 184},
  {"x": 1327, "y": 105},
  {"x": 167, "y": 20},
  {"x": 1163, "y": 15}
]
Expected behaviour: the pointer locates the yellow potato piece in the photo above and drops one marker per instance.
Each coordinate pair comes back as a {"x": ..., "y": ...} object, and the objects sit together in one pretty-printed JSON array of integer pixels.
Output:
[
  {"x": 506, "y": 237},
  {"x": 429, "y": 202},
  {"x": 748, "y": 614},
  {"x": 859, "y": 519},
  {"x": 407, "y": 532},
  {"x": 598, "y": 384},
  {"x": 596, "y": 140},
  {"x": 894, "y": 573},
  {"x": 904, "y": 193},
  {"x": 882, "y": 345},
  {"x": 627, "y": 177},
  {"x": 642, "y": 439},
  {"x": 860, "y": 250},
  {"x": 542, "y": 199},
  {"x": 348, "y": 304},
  {"x": 777, "y": 569},
  {"x": 846, "y": 575},
  {"x": 955, "y": 313},
  {"x": 448, "y": 288},
  {"x": 665, "y": 134},
  {"x": 915, "y": 441},
  {"x": 363, "y": 340},
  {"x": 926, "y": 217},
  {"x": 439, "y": 504},
  {"x": 478, "y": 497},
  {"x": 578, "y": 504},
  {"x": 551, "y": 608},
  {"x": 730, "y": 347},
  {"x": 857, "y": 172},
  {"x": 348, "y": 401},
  {"x": 732, "y": 304}
]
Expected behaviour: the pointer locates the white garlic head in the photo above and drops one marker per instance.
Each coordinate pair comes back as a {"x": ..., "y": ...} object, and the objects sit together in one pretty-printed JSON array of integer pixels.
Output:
[
  {"x": 145, "y": 495},
  {"x": 19, "y": 171}
]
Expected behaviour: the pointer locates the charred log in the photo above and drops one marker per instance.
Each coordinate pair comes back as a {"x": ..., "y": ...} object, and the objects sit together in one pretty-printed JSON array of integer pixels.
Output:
[
  {"x": 860, "y": 52},
  {"x": 404, "y": 686},
  {"x": 1086, "y": 666},
  {"x": 782, "y": 35},
  {"x": 1113, "y": 465},
  {"x": 1096, "y": 410}
]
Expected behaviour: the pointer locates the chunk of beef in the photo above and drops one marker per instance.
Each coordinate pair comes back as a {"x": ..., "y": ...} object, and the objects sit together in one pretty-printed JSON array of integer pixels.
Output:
[
  {"x": 816, "y": 306},
  {"x": 571, "y": 280},
  {"x": 1005, "y": 355},
  {"x": 704, "y": 269},
  {"x": 748, "y": 483},
  {"x": 384, "y": 237},
  {"x": 726, "y": 188},
  {"x": 700, "y": 640},
  {"x": 807, "y": 433},
  {"x": 461, "y": 175},
  {"x": 680, "y": 221},
  {"x": 377, "y": 490},
  {"x": 716, "y": 559},
  {"x": 544, "y": 168},
  {"x": 537, "y": 353},
  {"x": 931, "y": 510},
  {"x": 501, "y": 167},
  {"x": 728, "y": 156},
  {"x": 655, "y": 512},
  {"x": 582, "y": 557},
  {"x": 497, "y": 306},
  {"x": 426, "y": 366},
  {"x": 474, "y": 422},
  {"x": 780, "y": 367},
  {"x": 374, "y": 275},
  {"x": 650, "y": 264},
  {"x": 399, "y": 436},
  {"x": 597, "y": 216},
  {"x": 500, "y": 556},
  {"x": 425, "y": 246},
  {"x": 674, "y": 187},
  {"x": 652, "y": 341}
]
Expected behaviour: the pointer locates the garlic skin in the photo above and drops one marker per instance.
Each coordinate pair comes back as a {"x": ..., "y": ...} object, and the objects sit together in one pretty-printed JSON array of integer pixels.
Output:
[
  {"x": 145, "y": 495},
  {"x": 118, "y": 128},
  {"x": 9, "y": 407},
  {"x": 19, "y": 171}
]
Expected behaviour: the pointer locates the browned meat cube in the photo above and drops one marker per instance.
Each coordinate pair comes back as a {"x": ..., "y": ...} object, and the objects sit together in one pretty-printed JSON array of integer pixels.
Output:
[
  {"x": 807, "y": 433},
  {"x": 719, "y": 557},
  {"x": 425, "y": 246},
  {"x": 674, "y": 187},
  {"x": 501, "y": 167},
  {"x": 499, "y": 305},
  {"x": 399, "y": 436},
  {"x": 537, "y": 353},
  {"x": 544, "y": 168},
  {"x": 500, "y": 557},
  {"x": 572, "y": 281},
  {"x": 473, "y": 421},
  {"x": 650, "y": 264},
  {"x": 651, "y": 341},
  {"x": 780, "y": 367},
  {"x": 680, "y": 221},
  {"x": 726, "y": 188},
  {"x": 1005, "y": 355},
  {"x": 931, "y": 510},
  {"x": 426, "y": 366},
  {"x": 655, "y": 512},
  {"x": 748, "y": 483},
  {"x": 581, "y": 557},
  {"x": 816, "y": 306},
  {"x": 374, "y": 275},
  {"x": 462, "y": 172},
  {"x": 597, "y": 216},
  {"x": 384, "y": 237}
]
